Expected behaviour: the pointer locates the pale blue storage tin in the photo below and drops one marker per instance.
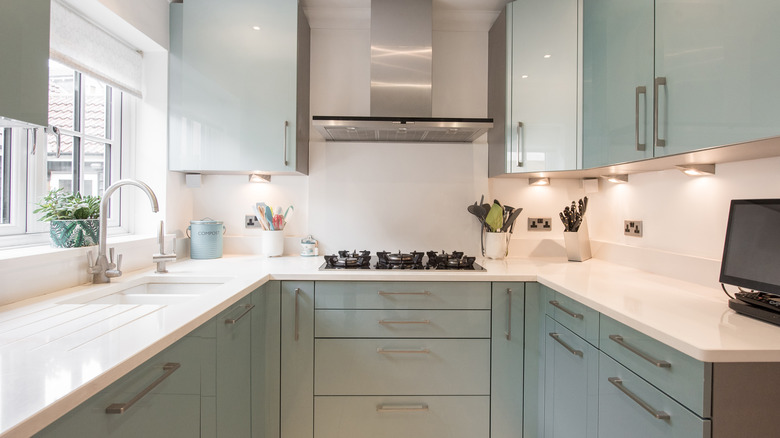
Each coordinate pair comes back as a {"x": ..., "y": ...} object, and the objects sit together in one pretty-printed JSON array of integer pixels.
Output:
[{"x": 205, "y": 239}]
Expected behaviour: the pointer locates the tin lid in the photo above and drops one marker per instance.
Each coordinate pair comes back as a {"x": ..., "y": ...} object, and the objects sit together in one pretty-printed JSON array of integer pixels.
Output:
[
  {"x": 308, "y": 240},
  {"x": 206, "y": 221}
]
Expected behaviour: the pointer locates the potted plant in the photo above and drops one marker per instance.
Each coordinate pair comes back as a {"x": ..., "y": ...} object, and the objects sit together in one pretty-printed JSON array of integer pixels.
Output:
[{"x": 74, "y": 218}]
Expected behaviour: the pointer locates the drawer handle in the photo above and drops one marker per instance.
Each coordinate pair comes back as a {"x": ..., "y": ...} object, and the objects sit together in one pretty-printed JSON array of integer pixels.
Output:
[
  {"x": 557, "y": 338},
  {"x": 567, "y": 311},
  {"x": 661, "y": 415},
  {"x": 247, "y": 308},
  {"x": 508, "y": 332},
  {"x": 381, "y": 350},
  {"x": 422, "y": 407},
  {"x": 659, "y": 363},
  {"x": 425, "y": 292},
  {"x": 121, "y": 408},
  {"x": 387, "y": 321}
]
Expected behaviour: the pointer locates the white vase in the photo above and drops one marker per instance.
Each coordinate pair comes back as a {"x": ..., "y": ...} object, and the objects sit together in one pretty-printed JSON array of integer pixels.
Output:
[
  {"x": 577, "y": 244},
  {"x": 273, "y": 243},
  {"x": 496, "y": 245}
]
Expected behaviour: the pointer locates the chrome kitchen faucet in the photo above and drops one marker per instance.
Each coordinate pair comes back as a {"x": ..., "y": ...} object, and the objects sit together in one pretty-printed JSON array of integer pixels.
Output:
[{"x": 104, "y": 269}]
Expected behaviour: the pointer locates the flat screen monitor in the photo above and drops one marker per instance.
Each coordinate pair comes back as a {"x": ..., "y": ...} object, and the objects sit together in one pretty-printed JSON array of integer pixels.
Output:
[{"x": 751, "y": 254}]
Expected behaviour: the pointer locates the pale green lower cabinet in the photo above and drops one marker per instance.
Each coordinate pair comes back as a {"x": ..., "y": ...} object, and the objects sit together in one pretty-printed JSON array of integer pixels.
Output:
[
  {"x": 171, "y": 409},
  {"x": 266, "y": 353},
  {"x": 571, "y": 393},
  {"x": 629, "y": 406},
  {"x": 506, "y": 368}
]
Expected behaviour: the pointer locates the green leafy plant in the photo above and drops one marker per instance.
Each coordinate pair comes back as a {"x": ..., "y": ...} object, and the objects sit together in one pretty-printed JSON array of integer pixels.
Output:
[{"x": 61, "y": 205}]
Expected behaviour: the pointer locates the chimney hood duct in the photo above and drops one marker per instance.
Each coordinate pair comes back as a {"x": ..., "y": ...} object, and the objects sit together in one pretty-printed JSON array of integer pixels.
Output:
[{"x": 401, "y": 59}]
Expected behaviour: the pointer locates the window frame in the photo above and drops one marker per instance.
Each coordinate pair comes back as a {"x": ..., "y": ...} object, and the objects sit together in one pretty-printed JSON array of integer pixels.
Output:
[{"x": 29, "y": 171}]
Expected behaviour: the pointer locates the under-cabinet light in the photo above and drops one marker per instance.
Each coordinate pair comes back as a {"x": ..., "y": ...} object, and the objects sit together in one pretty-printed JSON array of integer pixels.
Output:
[
  {"x": 259, "y": 178},
  {"x": 697, "y": 169},
  {"x": 538, "y": 181},
  {"x": 617, "y": 179}
]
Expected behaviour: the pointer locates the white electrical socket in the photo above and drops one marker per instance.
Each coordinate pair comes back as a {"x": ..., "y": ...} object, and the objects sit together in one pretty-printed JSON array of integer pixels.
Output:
[
  {"x": 539, "y": 224},
  {"x": 250, "y": 221},
  {"x": 633, "y": 228}
]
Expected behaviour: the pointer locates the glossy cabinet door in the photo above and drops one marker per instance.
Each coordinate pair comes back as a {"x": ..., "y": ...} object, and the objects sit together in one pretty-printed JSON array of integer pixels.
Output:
[
  {"x": 617, "y": 84},
  {"x": 506, "y": 384},
  {"x": 234, "y": 405},
  {"x": 571, "y": 386},
  {"x": 544, "y": 85},
  {"x": 533, "y": 87},
  {"x": 235, "y": 86},
  {"x": 629, "y": 406},
  {"x": 719, "y": 60},
  {"x": 297, "y": 359},
  {"x": 172, "y": 408},
  {"x": 24, "y": 50},
  {"x": 265, "y": 360}
]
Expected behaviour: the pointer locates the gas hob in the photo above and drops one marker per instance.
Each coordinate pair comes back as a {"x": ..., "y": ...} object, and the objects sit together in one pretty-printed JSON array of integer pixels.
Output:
[{"x": 414, "y": 260}]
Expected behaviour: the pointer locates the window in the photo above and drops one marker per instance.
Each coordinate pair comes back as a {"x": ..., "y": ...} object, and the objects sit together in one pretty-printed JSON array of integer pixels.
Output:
[{"x": 86, "y": 156}]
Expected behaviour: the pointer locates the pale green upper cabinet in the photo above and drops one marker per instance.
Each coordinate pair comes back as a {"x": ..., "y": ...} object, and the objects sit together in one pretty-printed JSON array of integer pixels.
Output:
[
  {"x": 239, "y": 87},
  {"x": 533, "y": 86},
  {"x": 720, "y": 60},
  {"x": 617, "y": 81},
  {"x": 24, "y": 49},
  {"x": 666, "y": 77}
]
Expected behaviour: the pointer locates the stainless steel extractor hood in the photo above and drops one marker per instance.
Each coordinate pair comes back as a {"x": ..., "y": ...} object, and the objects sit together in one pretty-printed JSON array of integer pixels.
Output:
[{"x": 401, "y": 59}]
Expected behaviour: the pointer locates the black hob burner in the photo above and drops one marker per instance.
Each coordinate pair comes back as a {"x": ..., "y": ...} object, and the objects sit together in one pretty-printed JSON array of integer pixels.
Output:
[
  {"x": 452, "y": 261},
  {"x": 412, "y": 260},
  {"x": 345, "y": 260}
]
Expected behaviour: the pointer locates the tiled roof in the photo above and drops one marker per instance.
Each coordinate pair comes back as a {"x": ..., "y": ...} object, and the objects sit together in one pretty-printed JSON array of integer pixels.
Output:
[{"x": 61, "y": 116}]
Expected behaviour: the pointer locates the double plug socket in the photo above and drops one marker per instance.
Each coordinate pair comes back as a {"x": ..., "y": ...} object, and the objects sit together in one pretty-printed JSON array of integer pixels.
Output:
[{"x": 633, "y": 228}]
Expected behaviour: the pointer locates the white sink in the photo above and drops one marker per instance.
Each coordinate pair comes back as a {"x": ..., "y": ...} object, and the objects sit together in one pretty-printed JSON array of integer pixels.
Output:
[{"x": 150, "y": 290}]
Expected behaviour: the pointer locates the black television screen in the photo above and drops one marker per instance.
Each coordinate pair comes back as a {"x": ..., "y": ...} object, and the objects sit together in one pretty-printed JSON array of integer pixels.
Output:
[{"x": 751, "y": 254}]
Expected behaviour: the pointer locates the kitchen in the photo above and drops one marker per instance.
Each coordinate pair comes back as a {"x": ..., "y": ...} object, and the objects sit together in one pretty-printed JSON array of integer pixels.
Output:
[{"x": 352, "y": 197}]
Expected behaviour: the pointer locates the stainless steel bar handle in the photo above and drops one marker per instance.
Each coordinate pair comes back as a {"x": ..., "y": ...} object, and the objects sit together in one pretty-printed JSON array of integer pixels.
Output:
[
  {"x": 639, "y": 91},
  {"x": 520, "y": 143},
  {"x": 657, "y": 141},
  {"x": 247, "y": 308},
  {"x": 661, "y": 415},
  {"x": 388, "y": 321},
  {"x": 567, "y": 311},
  {"x": 286, "y": 124},
  {"x": 297, "y": 311},
  {"x": 557, "y": 338},
  {"x": 121, "y": 408},
  {"x": 508, "y": 331},
  {"x": 425, "y": 292},
  {"x": 382, "y": 350},
  {"x": 659, "y": 363},
  {"x": 422, "y": 407}
]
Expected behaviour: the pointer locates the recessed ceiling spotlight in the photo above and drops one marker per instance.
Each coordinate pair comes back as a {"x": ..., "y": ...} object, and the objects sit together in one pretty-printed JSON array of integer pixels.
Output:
[
  {"x": 697, "y": 169},
  {"x": 255, "y": 27},
  {"x": 547, "y": 56},
  {"x": 524, "y": 77}
]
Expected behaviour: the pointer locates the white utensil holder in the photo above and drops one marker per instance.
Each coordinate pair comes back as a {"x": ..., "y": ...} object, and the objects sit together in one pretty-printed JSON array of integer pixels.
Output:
[
  {"x": 577, "y": 244},
  {"x": 273, "y": 243},
  {"x": 496, "y": 245}
]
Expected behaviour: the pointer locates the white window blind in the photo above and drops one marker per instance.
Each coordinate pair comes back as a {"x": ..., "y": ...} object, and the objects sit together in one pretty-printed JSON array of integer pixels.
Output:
[{"x": 82, "y": 45}]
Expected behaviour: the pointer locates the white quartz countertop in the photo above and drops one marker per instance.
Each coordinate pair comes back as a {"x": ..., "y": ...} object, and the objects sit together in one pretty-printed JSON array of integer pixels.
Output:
[{"x": 55, "y": 353}]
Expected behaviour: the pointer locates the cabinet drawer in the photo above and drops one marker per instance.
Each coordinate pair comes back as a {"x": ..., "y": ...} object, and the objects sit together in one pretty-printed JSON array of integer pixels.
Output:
[
  {"x": 401, "y": 295},
  {"x": 684, "y": 378},
  {"x": 626, "y": 402},
  {"x": 402, "y": 323},
  {"x": 574, "y": 315},
  {"x": 391, "y": 417},
  {"x": 402, "y": 367}
]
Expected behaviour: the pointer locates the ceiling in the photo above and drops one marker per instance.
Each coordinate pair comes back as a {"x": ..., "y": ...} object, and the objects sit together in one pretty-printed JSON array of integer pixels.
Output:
[{"x": 448, "y": 15}]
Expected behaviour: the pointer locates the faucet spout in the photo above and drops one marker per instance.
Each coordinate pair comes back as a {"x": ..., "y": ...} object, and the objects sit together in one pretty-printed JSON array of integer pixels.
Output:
[{"x": 104, "y": 269}]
